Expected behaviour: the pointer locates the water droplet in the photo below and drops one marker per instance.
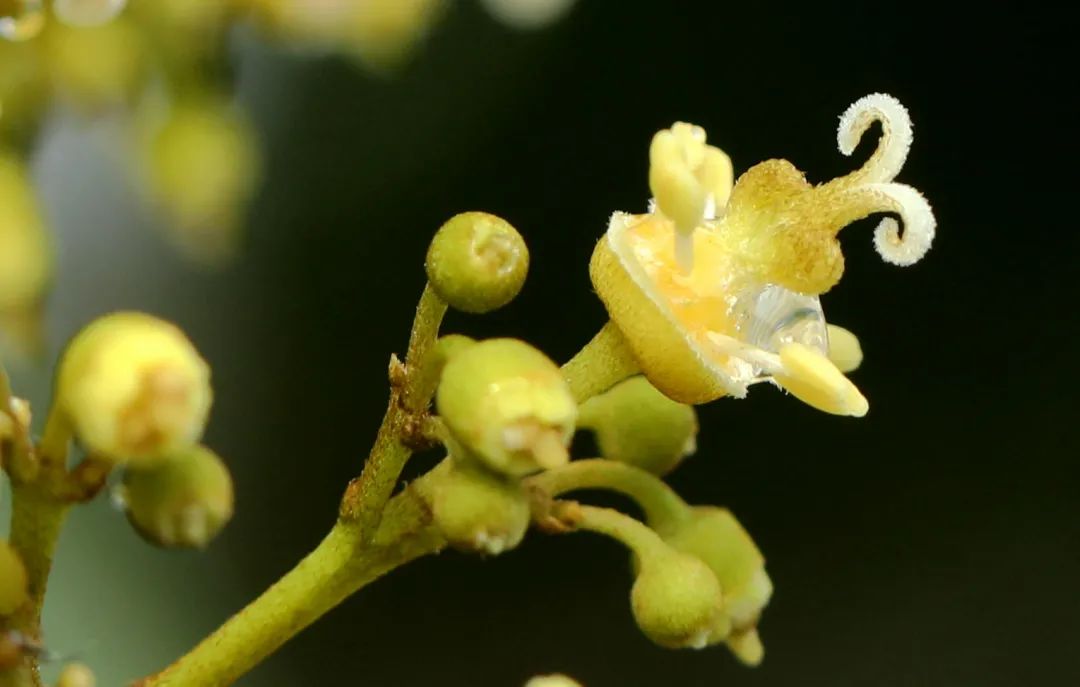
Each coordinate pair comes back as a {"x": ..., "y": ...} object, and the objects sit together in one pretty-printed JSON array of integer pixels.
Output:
[
  {"x": 770, "y": 316},
  {"x": 86, "y": 13},
  {"x": 25, "y": 23}
]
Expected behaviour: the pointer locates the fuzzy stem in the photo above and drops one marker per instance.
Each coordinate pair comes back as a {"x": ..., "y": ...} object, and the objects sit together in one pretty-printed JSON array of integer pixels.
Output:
[
  {"x": 601, "y": 364},
  {"x": 662, "y": 506},
  {"x": 342, "y": 564},
  {"x": 429, "y": 314},
  {"x": 367, "y": 494}
]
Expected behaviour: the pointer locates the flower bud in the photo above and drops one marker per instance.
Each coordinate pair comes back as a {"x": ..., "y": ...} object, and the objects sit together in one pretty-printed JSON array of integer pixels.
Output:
[
  {"x": 183, "y": 502},
  {"x": 133, "y": 388},
  {"x": 26, "y": 255},
  {"x": 676, "y": 600},
  {"x": 13, "y": 591},
  {"x": 714, "y": 536},
  {"x": 18, "y": 420},
  {"x": 21, "y": 21},
  {"x": 477, "y": 262},
  {"x": 95, "y": 66},
  {"x": 636, "y": 424},
  {"x": 552, "y": 681},
  {"x": 204, "y": 166},
  {"x": 477, "y": 510},
  {"x": 76, "y": 675},
  {"x": 528, "y": 14},
  {"x": 508, "y": 406},
  {"x": 87, "y": 13}
]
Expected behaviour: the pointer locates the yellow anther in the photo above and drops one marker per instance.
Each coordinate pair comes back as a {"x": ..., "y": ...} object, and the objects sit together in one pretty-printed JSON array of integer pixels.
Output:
[
  {"x": 690, "y": 180},
  {"x": 815, "y": 380},
  {"x": 844, "y": 349}
]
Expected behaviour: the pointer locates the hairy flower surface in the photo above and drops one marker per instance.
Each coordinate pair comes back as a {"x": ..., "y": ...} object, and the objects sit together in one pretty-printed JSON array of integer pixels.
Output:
[{"x": 746, "y": 308}]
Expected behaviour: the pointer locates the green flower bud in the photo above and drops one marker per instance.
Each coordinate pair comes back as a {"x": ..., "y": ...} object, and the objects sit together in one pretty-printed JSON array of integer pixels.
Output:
[
  {"x": 477, "y": 510},
  {"x": 134, "y": 389},
  {"x": 507, "y": 405},
  {"x": 76, "y": 675},
  {"x": 181, "y": 503},
  {"x": 26, "y": 251},
  {"x": 636, "y": 424},
  {"x": 13, "y": 592},
  {"x": 676, "y": 600},
  {"x": 203, "y": 167},
  {"x": 714, "y": 536},
  {"x": 477, "y": 262}
]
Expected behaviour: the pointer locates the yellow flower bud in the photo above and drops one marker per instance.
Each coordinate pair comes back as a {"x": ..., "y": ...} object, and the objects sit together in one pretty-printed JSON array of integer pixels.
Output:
[
  {"x": 508, "y": 406},
  {"x": 381, "y": 33},
  {"x": 477, "y": 510},
  {"x": 552, "y": 681},
  {"x": 676, "y": 600},
  {"x": 182, "y": 502},
  {"x": 477, "y": 262},
  {"x": 384, "y": 32},
  {"x": 636, "y": 424},
  {"x": 203, "y": 169},
  {"x": 528, "y": 14},
  {"x": 76, "y": 675},
  {"x": 87, "y": 13},
  {"x": 13, "y": 581},
  {"x": 133, "y": 388},
  {"x": 20, "y": 411},
  {"x": 21, "y": 20},
  {"x": 714, "y": 536},
  {"x": 95, "y": 66},
  {"x": 26, "y": 258}
]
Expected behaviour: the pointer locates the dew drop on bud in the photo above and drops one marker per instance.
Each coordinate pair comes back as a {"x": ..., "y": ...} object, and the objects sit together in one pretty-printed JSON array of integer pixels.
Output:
[
  {"x": 22, "y": 22},
  {"x": 86, "y": 13}
]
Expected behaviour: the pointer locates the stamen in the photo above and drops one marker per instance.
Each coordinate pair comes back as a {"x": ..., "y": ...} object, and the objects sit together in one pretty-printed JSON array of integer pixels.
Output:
[{"x": 814, "y": 379}]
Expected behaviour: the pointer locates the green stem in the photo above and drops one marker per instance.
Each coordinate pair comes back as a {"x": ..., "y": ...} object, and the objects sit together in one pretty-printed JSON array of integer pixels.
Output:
[
  {"x": 632, "y": 533},
  {"x": 601, "y": 364},
  {"x": 367, "y": 495},
  {"x": 661, "y": 505},
  {"x": 342, "y": 564},
  {"x": 429, "y": 314},
  {"x": 37, "y": 517}
]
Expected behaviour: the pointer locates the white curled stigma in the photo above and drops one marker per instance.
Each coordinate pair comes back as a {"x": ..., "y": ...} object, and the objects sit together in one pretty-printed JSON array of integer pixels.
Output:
[
  {"x": 918, "y": 219},
  {"x": 896, "y": 135},
  {"x": 871, "y": 183}
]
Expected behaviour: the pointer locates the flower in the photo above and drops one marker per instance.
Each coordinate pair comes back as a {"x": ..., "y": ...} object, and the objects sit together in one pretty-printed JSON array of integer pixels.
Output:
[{"x": 747, "y": 310}]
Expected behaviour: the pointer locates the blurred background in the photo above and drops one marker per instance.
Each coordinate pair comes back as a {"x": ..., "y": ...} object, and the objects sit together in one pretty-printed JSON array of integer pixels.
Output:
[{"x": 934, "y": 542}]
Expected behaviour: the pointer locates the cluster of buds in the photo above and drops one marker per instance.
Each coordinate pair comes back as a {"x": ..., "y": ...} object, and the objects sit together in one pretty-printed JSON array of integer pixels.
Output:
[
  {"x": 715, "y": 288},
  {"x": 134, "y": 392},
  {"x": 196, "y": 157}
]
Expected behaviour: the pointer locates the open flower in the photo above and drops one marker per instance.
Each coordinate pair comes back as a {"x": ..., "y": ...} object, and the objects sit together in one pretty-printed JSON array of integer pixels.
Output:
[{"x": 747, "y": 309}]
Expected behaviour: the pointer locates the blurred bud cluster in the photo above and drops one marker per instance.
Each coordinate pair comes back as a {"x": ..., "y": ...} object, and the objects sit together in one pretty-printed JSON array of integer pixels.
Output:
[{"x": 163, "y": 69}]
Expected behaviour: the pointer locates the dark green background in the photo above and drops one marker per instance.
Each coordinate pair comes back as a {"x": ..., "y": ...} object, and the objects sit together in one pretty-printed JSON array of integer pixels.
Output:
[{"x": 935, "y": 542}]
